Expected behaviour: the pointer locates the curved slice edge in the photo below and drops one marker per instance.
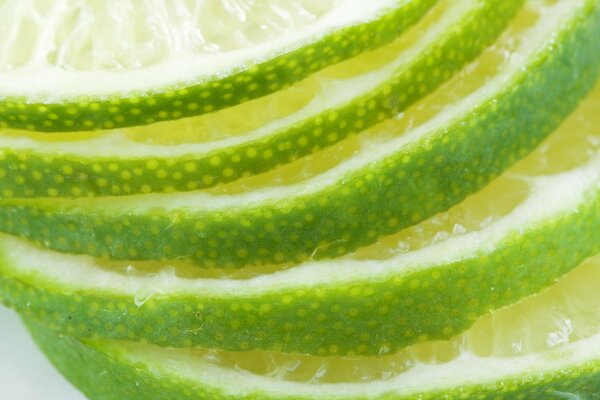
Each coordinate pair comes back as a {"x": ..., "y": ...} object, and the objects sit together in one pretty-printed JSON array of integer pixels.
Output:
[
  {"x": 422, "y": 295},
  {"x": 118, "y": 371},
  {"x": 404, "y": 186},
  {"x": 253, "y": 79},
  {"x": 67, "y": 170}
]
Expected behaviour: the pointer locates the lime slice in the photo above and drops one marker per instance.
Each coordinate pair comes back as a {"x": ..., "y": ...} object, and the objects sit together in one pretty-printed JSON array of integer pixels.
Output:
[
  {"x": 380, "y": 190},
  {"x": 115, "y": 163},
  {"x": 72, "y": 65},
  {"x": 503, "y": 244},
  {"x": 547, "y": 347}
]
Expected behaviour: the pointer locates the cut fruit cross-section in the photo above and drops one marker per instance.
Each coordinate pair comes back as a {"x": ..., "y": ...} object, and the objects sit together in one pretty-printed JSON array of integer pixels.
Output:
[
  {"x": 115, "y": 163},
  {"x": 73, "y": 65},
  {"x": 379, "y": 191},
  {"x": 514, "y": 246},
  {"x": 547, "y": 347}
]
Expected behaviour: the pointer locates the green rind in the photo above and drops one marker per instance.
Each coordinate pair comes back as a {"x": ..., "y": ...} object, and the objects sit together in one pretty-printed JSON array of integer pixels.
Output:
[
  {"x": 185, "y": 99},
  {"x": 35, "y": 173},
  {"x": 425, "y": 177},
  {"x": 404, "y": 307},
  {"x": 105, "y": 374}
]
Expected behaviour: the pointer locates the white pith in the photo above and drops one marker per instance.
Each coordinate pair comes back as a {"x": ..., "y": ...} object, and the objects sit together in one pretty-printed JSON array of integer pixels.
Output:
[
  {"x": 537, "y": 42},
  {"x": 535, "y": 325},
  {"x": 334, "y": 94},
  {"x": 465, "y": 370},
  {"x": 70, "y": 271},
  {"x": 39, "y": 81},
  {"x": 550, "y": 198}
]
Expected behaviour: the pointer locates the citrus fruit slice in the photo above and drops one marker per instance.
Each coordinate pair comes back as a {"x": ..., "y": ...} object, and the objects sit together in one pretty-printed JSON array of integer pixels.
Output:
[
  {"x": 116, "y": 163},
  {"x": 503, "y": 244},
  {"x": 79, "y": 66},
  {"x": 546, "y": 347},
  {"x": 378, "y": 191}
]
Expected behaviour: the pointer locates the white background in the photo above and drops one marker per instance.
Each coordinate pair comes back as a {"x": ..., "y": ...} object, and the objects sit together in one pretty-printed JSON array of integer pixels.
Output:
[{"x": 24, "y": 372}]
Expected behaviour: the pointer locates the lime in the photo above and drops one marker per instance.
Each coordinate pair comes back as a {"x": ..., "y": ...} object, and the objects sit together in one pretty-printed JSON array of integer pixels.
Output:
[
  {"x": 431, "y": 281},
  {"x": 546, "y": 347},
  {"x": 386, "y": 187},
  {"x": 72, "y": 66},
  {"x": 180, "y": 155}
]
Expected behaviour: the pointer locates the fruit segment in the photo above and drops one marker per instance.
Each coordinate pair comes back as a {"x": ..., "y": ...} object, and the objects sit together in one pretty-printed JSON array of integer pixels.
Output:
[
  {"x": 77, "y": 66},
  {"x": 113, "y": 163},
  {"x": 508, "y": 248},
  {"x": 304, "y": 199},
  {"x": 546, "y": 347},
  {"x": 374, "y": 193}
]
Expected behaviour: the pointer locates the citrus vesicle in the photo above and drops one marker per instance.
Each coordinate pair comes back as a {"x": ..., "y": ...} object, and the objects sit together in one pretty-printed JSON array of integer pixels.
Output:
[
  {"x": 377, "y": 192},
  {"x": 432, "y": 51},
  {"x": 71, "y": 65},
  {"x": 516, "y": 237},
  {"x": 547, "y": 347}
]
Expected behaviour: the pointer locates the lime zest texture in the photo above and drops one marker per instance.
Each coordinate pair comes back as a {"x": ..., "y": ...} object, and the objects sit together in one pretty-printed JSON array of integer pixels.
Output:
[
  {"x": 247, "y": 75},
  {"x": 350, "y": 206},
  {"x": 428, "y": 294},
  {"x": 105, "y": 371},
  {"x": 60, "y": 169}
]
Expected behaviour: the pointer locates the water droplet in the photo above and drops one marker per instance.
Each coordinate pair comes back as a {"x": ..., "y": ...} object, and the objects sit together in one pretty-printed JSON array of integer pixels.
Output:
[
  {"x": 402, "y": 247},
  {"x": 142, "y": 298},
  {"x": 383, "y": 350},
  {"x": 459, "y": 229},
  {"x": 562, "y": 335},
  {"x": 212, "y": 357},
  {"x": 517, "y": 346},
  {"x": 319, "y": 373},
  {"x": 440, "y": 237}
]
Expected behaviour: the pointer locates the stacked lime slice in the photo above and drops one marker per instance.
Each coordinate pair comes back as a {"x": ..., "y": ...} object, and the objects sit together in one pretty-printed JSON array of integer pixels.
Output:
[{"x": 305, "y": 199}]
